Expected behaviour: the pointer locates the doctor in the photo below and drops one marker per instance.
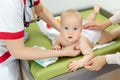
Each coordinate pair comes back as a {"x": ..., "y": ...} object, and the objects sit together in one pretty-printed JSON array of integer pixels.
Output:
[{"x": 12, "y": 14}]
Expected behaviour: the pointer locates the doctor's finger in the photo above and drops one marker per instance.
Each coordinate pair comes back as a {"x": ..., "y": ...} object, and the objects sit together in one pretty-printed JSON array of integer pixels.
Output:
[{"x": 89, "y": 63}]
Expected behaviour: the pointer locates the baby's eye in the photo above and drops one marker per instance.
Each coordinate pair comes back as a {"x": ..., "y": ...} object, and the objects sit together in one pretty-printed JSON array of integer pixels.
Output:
[
  {"x": 66, "y": 28},
  {"x": 75, "y": 28}
]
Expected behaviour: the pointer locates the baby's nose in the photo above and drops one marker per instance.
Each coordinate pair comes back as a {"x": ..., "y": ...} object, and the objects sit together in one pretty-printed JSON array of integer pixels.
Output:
[{"x": 70, "y": 31}]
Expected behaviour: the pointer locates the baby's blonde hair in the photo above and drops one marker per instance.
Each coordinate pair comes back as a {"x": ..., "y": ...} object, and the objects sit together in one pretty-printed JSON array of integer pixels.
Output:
[{"x": 71, "y": 12}]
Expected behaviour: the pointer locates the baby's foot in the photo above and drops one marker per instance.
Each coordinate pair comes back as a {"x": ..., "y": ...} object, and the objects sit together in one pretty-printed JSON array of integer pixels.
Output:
[
  {"x": 116, "y": 32},
  {"x": 96, "y": 8}
]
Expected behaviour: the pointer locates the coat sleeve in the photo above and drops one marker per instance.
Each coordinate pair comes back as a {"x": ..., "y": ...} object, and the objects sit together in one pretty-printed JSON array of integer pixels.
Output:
[
  {"x": 115, "y": 19},
  {"x": 113, "y": 58}
]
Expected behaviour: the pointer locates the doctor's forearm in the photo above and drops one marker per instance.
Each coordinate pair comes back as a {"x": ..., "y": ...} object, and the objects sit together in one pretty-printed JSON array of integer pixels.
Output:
[
  {"x": 19, "y": 51},
  {"x": 47, "y": 17}
]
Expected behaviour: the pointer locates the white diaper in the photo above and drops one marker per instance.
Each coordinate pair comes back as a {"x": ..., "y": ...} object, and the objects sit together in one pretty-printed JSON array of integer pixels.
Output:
[{"x": 92, "y": 35}]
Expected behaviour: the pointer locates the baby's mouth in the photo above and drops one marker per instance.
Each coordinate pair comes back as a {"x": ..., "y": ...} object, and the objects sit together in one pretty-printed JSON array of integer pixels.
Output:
[{"x": 70, "y": 37}]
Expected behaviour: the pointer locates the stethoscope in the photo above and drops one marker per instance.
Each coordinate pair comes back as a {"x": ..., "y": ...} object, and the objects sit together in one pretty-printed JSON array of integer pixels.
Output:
[{"x": 26, "y": 23}]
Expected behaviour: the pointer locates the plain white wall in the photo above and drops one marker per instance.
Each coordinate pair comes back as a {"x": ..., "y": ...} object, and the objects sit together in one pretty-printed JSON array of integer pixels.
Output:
[
  {"x": 57, "y": 6},
  {"x": 110, "y": 5}
]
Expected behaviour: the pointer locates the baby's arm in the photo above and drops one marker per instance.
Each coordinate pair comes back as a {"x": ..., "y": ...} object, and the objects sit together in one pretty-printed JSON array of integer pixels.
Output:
[
  {"x": 87, "y": 55},
  {"x": 57, "y": 44}
]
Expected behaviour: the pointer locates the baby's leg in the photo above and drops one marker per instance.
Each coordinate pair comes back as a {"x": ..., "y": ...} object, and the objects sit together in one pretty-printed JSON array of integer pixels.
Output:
[
  {"x": 93, "y": 15},
  {"x": 109, "y": 36}
]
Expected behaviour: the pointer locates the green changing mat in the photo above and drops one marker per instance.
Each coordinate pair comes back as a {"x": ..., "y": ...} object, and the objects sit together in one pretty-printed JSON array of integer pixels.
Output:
[{"x": 36, "y": 37}]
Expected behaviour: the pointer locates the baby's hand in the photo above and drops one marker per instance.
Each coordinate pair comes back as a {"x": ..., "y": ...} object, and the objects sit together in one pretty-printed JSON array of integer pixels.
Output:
[
  {"x": 74, "y": 65},
  {"x": 56, "y": 47}
]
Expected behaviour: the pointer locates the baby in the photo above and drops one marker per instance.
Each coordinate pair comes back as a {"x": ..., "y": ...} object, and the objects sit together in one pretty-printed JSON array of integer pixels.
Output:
[{"x": 71, "y": 33}]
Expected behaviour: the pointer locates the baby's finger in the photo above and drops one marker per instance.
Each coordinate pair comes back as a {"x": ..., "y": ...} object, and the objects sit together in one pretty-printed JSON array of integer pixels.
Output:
[
  {"x": 70, "y": 66},
  {"x": 77, "y": 47},
  {"x": 71, "y": 69}
]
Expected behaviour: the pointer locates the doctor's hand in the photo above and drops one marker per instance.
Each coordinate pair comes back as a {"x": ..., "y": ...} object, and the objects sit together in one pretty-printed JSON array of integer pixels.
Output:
[
  {"x": 95, "y": 25},
  {"x": 96, "y": 63},
  {"x": 71, "y": 51}
]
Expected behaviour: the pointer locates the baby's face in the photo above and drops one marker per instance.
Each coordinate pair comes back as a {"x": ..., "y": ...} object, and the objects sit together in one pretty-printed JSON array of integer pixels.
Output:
[{"x": 71, "y": 29}]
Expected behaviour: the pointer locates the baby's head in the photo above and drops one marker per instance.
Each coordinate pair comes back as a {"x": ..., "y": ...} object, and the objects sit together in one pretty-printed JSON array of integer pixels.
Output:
[
  {"x": 71, "y": 17},
  {"x": 71, "y": 25}
]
